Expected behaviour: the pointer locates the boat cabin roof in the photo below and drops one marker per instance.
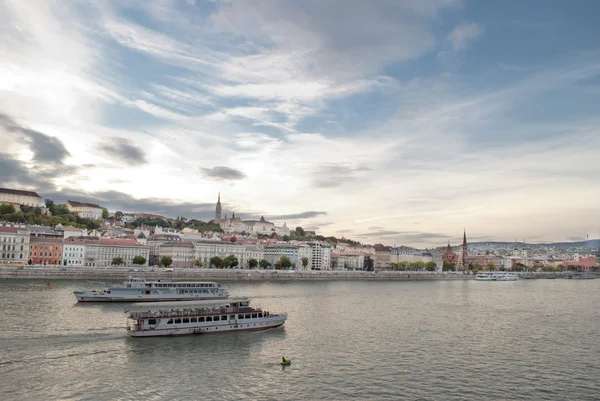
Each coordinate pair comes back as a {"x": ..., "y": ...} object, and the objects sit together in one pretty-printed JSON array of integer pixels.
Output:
[{"x": 188, "y": 304}]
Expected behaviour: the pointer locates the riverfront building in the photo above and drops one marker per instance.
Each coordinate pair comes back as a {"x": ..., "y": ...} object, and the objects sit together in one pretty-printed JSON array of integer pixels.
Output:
[
  {"x": 45, "y": 251},
  {"x": 14, "y": 243},
  {"x": 102, "y": 252},
  {"x": 181, "y": 253}
]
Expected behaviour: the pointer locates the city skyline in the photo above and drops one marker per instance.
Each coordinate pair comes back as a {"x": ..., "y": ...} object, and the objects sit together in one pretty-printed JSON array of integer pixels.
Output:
[{"x": 395, "y": 123}]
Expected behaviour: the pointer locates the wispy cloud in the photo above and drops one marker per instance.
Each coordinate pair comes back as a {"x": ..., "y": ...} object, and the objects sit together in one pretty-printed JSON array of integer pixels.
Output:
[
  {"x": 223, "y": 173},
  {"x": 123, "y": 151}
]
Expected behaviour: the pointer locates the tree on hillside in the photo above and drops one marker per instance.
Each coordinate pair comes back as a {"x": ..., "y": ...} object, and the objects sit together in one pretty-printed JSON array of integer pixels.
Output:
[
  {"x": 252, "y": 263},
  {"x": 139, "y": 260},
  {"x": 7, "y": 209},
  {"x": 300, "y": 232},
  {"x": 402, "y": 266},
  {"x": 50, "y": 205},
  {"x": 264, "y": 263},
  {"x": 104, "y": 213},
  {"x": 216, "y": 262},
  {"x": 286, "y": 238},
  {"x": 117, "y": 261},
  {"x": 90, "y": 224},
  {"x": 118, "y": 215},
  {"x": 61, "y": 210},
  {"x": 304, "y": 262},
  {"x": 166, "y": 261},
  {"x": 285, "y": 262}
]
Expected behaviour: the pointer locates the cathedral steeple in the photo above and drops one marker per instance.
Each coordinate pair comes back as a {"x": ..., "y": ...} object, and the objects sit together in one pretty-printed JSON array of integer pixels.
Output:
[
  {"x": 218, "y": 209},
  {"x": 464, "y": 251}
]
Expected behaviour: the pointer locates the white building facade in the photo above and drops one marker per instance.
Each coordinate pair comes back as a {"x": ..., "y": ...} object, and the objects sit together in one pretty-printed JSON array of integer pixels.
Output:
[
  {"x": 205, "y": 250},
  {"x": 14, "y": 244},
  {"x": 85, "y": 210},
  {"x": 274, "y": 252},
  {"x": 102, "y": 252},
  {"x": 74, "y": 253},
  {"x": 17, "y": 197},
  {"x": 181, "y": 253},
  {"x": 254, "y": 251},
  {"x": 321, "y": 256}
]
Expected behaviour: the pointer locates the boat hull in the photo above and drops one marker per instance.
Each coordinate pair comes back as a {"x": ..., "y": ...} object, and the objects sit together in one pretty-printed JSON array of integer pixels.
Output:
[{"x": 87, "y": 298}]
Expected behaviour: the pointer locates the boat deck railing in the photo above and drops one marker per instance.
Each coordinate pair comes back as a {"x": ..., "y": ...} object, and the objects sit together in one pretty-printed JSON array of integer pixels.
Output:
[{"x": 191, "y": 312}]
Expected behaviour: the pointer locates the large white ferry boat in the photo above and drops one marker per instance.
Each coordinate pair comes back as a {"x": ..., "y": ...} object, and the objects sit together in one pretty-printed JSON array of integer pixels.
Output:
[
  {"x": 207, "y": 317},
  {"x": 140, "y": 290},
  {"x": 496, "y": 276}
]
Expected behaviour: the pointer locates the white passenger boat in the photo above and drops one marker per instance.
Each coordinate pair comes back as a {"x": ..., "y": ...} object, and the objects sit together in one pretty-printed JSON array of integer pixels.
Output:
[
  {"x": 140, "y": 290},
  {"x": 203, "y": 317},
  {"x": 496, "y": 276},
  {"x": 581, "y": 276}
]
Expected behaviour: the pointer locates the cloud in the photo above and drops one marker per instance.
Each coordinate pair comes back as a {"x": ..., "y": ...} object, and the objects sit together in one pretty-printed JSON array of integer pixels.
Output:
[
  {"x": 406, "y": 237},
  {"x": 336, "y": 174},
  {"x": 13, "y": 171},
  {"x": 115, "y": 200},
  {"x": 297, "y": 216},
  {"x": 464, "y": 34},
  {"x": 45, "y": 165},
  {"x": 123, "y": 151},
  {"x": 223, "y": 173},
  {"x": 331, "y": 35},
  {"x": 457, "y": 41},
  {"x": 46, "y": 149}
]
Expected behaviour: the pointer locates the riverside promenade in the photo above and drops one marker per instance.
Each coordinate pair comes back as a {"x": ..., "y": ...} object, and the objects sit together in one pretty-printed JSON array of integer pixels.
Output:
[{"x": 123, "y": 273}]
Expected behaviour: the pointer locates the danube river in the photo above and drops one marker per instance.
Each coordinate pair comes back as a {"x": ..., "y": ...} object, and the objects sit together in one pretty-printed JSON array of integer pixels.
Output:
[{"x": 432, "y": 340}]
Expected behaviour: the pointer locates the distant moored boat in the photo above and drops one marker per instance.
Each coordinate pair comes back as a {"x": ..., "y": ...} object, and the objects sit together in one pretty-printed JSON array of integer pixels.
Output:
[{"x": 497, "y": 276}]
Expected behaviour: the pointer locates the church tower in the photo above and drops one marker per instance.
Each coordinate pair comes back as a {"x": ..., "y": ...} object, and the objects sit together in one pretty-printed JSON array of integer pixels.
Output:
[
  {"x": 463, "y": 255},
  {"x": 218, "y": 209}
]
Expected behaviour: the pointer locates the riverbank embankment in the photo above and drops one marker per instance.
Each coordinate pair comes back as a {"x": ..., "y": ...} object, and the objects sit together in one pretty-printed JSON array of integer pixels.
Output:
[
  {"x": 49, "y": 273},
  {"x": 218, "y": 275}
]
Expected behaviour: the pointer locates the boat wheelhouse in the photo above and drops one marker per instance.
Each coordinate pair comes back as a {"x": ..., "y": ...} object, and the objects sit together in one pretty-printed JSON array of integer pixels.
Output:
[
  {"x": 140, "y": 290},
  {"x": 202, "y": 317},
  {"x": 496, "y": 276}
]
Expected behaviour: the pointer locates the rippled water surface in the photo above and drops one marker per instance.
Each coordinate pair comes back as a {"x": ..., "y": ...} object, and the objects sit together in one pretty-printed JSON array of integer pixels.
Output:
[{"x": 531, "y": 339}]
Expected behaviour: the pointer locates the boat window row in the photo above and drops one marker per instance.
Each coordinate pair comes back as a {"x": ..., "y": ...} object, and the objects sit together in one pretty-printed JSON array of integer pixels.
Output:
[
  {"x": 195, "y": 291},
  {"x": 165, "y": 285},
  {"x": 202, "y": 319}
]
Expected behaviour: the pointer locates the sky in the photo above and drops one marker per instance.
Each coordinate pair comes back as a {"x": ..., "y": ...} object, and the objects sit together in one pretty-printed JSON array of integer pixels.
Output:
[{"x": 388, "y": 121}]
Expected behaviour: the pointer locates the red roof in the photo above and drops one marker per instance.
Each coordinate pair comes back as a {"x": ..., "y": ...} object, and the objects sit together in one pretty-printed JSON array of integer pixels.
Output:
[
  {"x": 12, "y": 230},
  {"x": 18, "y": 192},
  {"x": 585, "y": 262}
]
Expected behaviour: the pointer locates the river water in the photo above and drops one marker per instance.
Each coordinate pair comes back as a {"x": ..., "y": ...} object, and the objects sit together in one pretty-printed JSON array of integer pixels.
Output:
[{"x": 436, "y": 340}]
